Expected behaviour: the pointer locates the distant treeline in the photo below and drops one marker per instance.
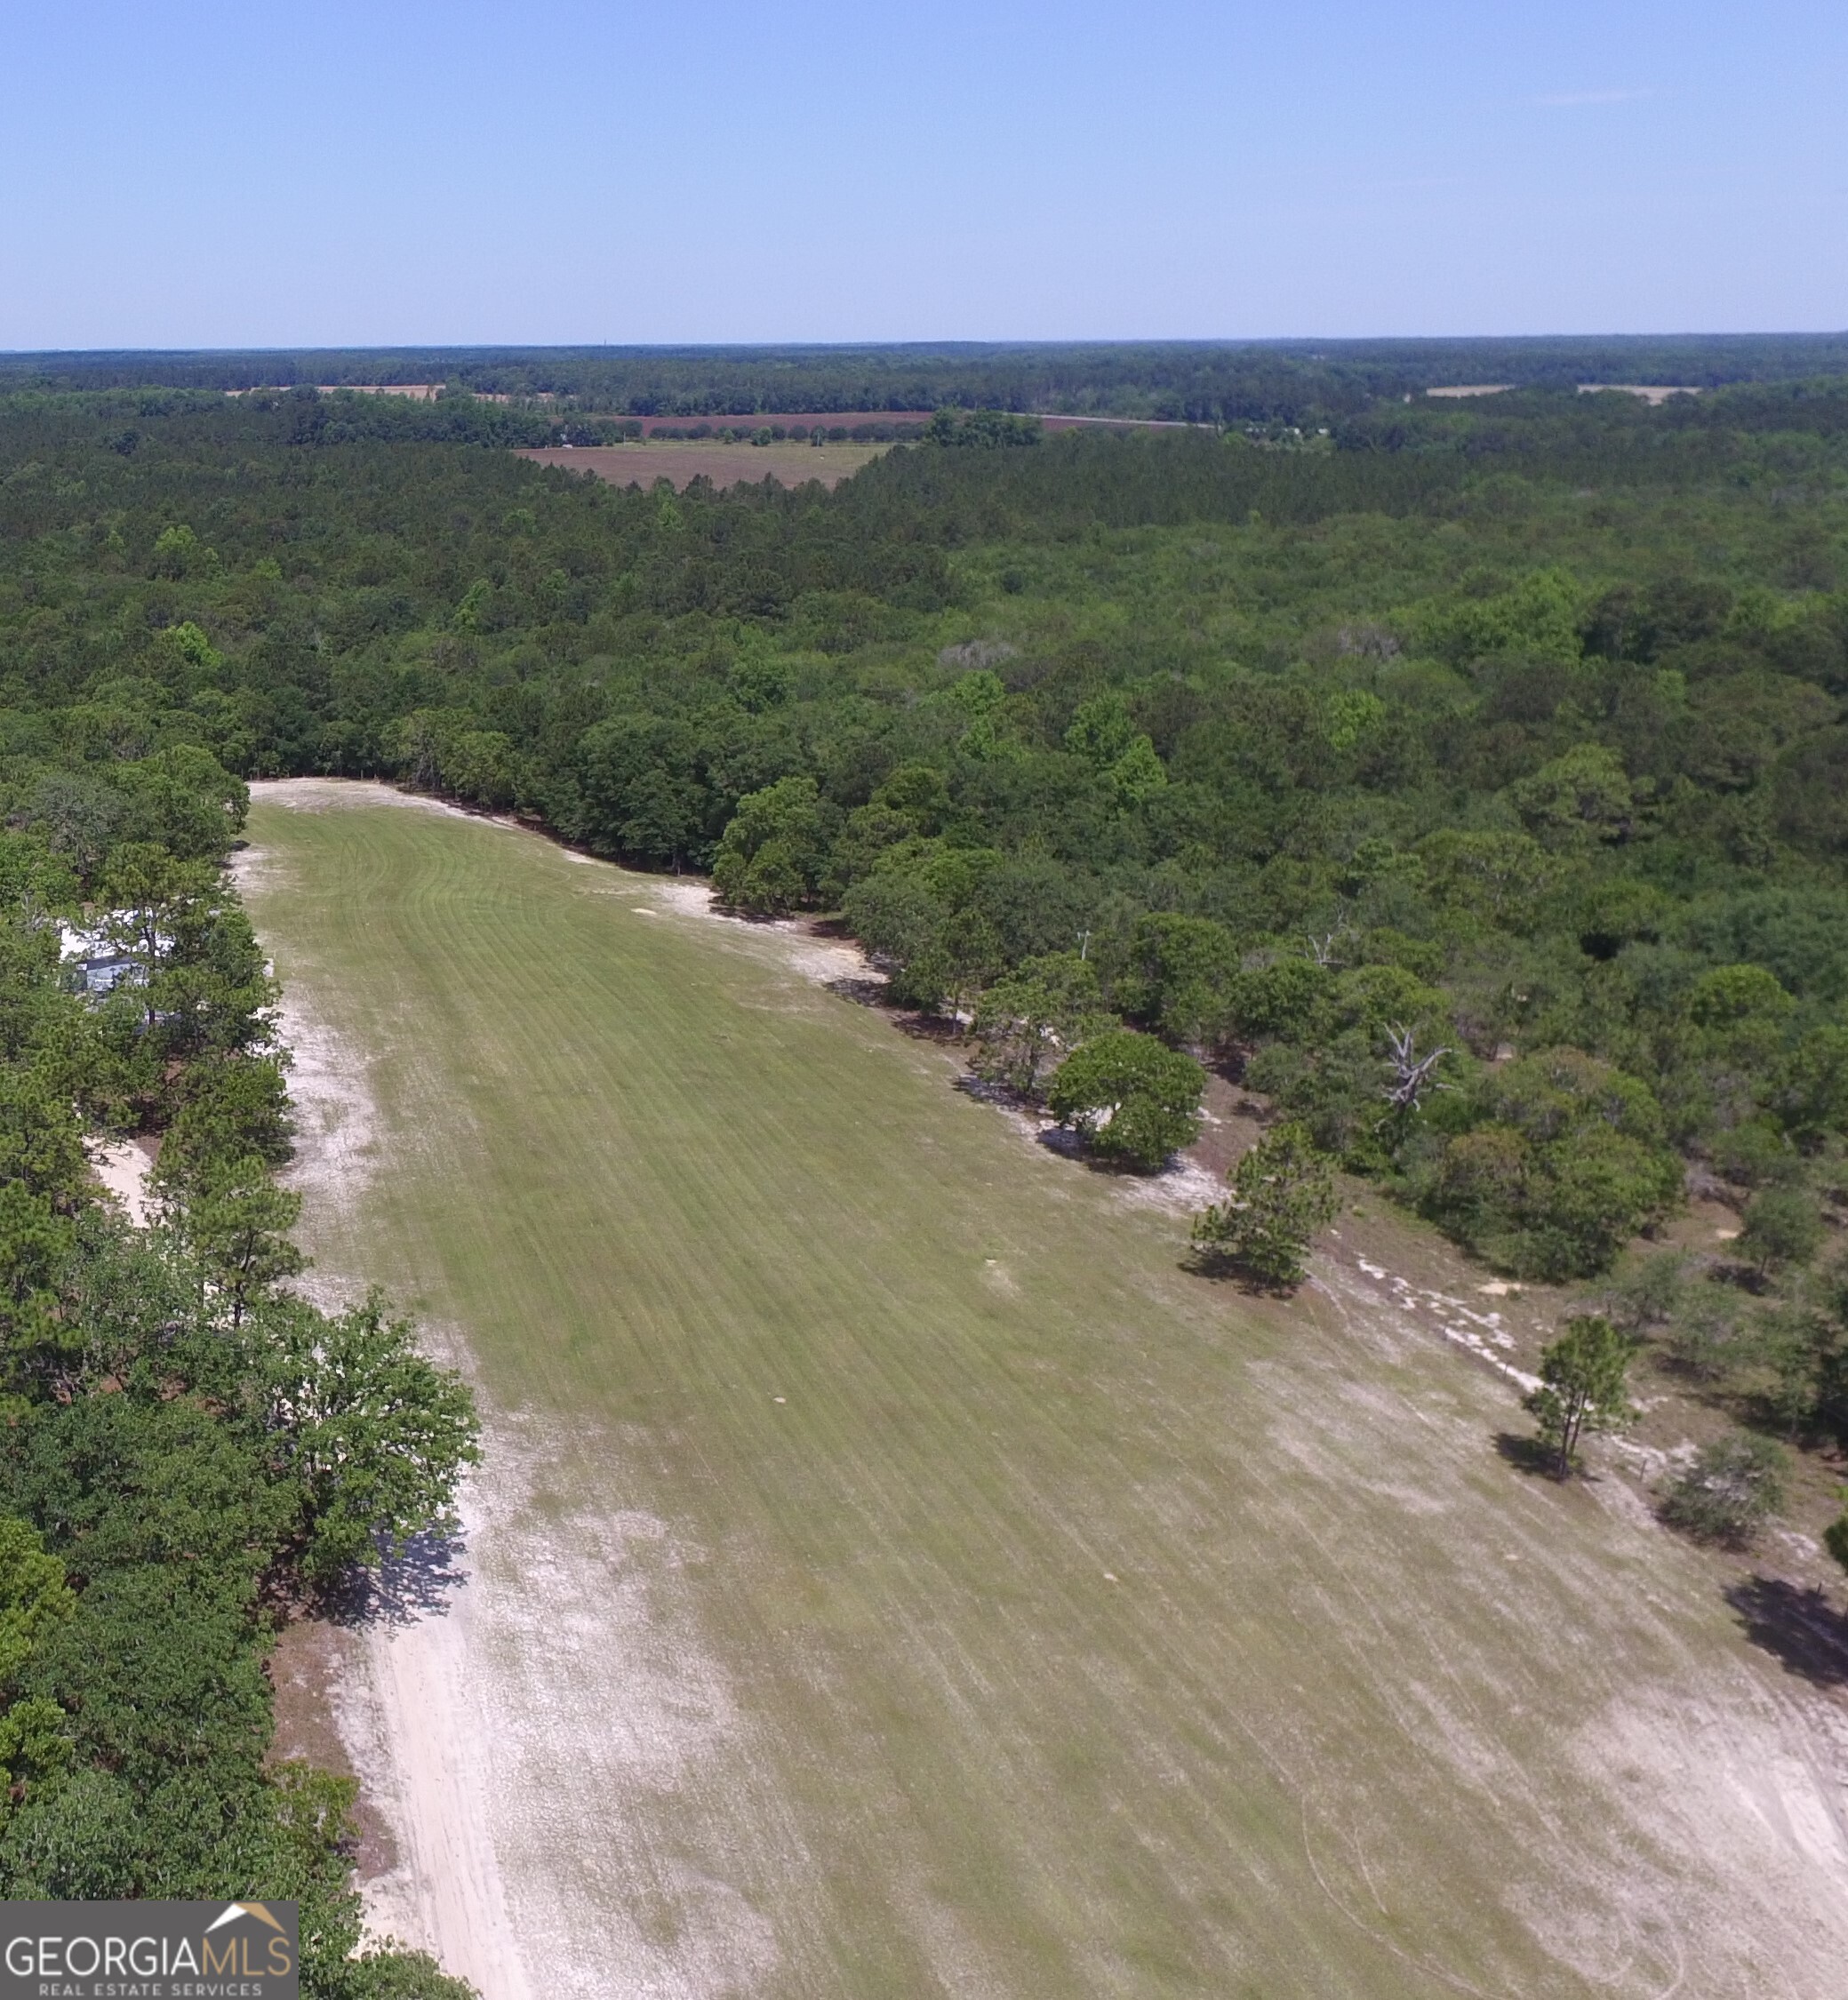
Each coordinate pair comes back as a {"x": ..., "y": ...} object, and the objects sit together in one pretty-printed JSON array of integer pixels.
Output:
[
  {"x": 1200, "y": 381},
  {"x": 1513, "y": 731}
]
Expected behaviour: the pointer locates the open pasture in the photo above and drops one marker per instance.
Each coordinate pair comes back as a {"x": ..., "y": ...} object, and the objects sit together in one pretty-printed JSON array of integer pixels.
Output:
[
  {"x": 895, "y": 1574},
  {"x": 725, "y": 465}
]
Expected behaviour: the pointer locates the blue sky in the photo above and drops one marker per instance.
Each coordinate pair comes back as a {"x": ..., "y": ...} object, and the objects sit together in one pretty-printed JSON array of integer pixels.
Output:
[{"x": 206, "y": 175}]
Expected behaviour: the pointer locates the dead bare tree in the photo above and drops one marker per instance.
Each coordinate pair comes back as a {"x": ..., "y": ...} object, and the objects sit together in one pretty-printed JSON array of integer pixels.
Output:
[
  {"x": 1413, "y": 1073},
  {"x": 1323, "y": 949}
]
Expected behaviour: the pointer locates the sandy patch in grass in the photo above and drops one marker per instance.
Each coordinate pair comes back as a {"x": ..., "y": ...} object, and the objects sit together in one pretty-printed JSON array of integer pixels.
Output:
[
  {"x": 532, "y": 1677},
  {"x": 691, "y": 898},
  {"x": 1371, "y": 1288},
  {"x": 318, "y": 795},
  {"x": 312, "y": 1659},
  {"x": 416, "y": 1732},
  {"x": 820, "y": 959},
  {"x": 336, "y": 1122},
  {"x": 1183, "y": 1188}
]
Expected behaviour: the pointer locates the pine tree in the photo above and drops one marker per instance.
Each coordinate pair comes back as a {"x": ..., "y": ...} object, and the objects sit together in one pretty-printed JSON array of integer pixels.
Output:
[{"x": 1283, "y": 1192}]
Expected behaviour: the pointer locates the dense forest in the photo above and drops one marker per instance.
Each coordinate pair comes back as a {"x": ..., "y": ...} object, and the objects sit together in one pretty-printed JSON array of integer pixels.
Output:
[
  {"x": 191, "y": 1453},
  {"x": 1470, "y": 780},
  {"x": 1231, "y": 382}
]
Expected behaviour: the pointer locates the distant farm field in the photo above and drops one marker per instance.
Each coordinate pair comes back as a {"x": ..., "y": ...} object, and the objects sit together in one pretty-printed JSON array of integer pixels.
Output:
[
  {"x": 725, "y": 465},
  {"x": 895, "y": 1574}
]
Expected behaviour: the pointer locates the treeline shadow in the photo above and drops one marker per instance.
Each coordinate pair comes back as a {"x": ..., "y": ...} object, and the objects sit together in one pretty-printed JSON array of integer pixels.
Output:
[
  {"x": 862, "y": 992},
  {"x": 417, "y": 1582},
  {"x": 925, "y": 1027},
  {"x": 1797, "y": 1625},
  {"x": 984, "y": 1091}
]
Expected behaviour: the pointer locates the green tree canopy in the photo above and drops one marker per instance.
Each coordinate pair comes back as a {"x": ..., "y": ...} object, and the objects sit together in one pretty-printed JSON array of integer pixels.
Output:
[
  {"x": 1133, "y": 1100},
  {"x": 370, "y": 1435},
  {"x": 1028, "y": 1020},
  {"x": 775, "y": 850},
  {"x": 1178, "y": 975}
]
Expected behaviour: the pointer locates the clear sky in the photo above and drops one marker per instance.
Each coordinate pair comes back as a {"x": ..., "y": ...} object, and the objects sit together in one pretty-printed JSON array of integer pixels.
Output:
[{"x": 572, "y": 171}]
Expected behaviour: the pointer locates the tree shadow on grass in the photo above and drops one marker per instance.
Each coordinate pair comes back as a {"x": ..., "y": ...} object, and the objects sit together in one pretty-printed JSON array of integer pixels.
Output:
[
  {"x": 1061, "y": 1139},
  {"x": 1071, "y": 1145},
  {"x": 862, "y": 993},
  {"x": 928, "y": 1028},
  {"x": 984, "y": 1091},
  {"x": 1202, "y": 1261},
  {"x": 1527, "y": 1454},
  {"x": 415, "y": 1583},
  {"x": 1796, "y": 1623}
]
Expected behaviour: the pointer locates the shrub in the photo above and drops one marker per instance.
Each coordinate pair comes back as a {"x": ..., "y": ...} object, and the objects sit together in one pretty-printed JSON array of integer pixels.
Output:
[
  {"x": 1178, "y": 975},
  {"x": 774, "y": 849},
  {"x": 1783, "y": 1227},
  {"x": 1835, "y": 1537},
  {"x": 1704, "y": 1338},
  {"x": 1565, "y": 1165},
  {"x": 1650, "y": 1292},
  {"x": 1729, "y": 1490},
  {"x": 1025, "y": 1021},
  {"x": 1288, "y": 1000}
]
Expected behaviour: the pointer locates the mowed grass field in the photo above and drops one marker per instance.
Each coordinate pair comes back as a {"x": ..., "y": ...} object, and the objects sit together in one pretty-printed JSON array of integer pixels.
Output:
[
  {"x": 896, "y": 1576},
  {"x": 725, "y": 465}
]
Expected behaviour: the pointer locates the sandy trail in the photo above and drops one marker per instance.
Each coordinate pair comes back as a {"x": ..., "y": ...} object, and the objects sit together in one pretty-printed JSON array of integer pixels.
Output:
[
  {"x": 417, "y": 1735},
  {"x": 124, "y": 1169},
  {"x": 413, "y": 1723},
  {"x": 535, "y": 1678}
]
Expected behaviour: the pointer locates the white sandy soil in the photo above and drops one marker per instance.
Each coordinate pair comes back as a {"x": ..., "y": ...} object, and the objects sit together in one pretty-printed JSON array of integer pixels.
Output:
[{"x": 123, "y": 1169}]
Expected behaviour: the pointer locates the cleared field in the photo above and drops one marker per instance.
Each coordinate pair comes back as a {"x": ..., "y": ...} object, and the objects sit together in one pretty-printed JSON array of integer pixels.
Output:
[
  {"x": 748, "y": 419},
  {"x": 1649, "y": 392},
  {"x": 725, "y": 465},
  {"x": 895, "y": 1576}
]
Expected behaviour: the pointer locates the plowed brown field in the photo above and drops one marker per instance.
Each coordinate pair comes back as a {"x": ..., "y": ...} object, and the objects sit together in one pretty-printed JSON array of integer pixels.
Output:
[{"x": 725, "y": 465}]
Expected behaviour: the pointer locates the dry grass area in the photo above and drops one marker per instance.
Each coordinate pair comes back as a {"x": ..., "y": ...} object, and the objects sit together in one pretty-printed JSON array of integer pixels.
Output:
[
  {"x": 725, "y": 465},
  {"x": 895, "y": 1572}
]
